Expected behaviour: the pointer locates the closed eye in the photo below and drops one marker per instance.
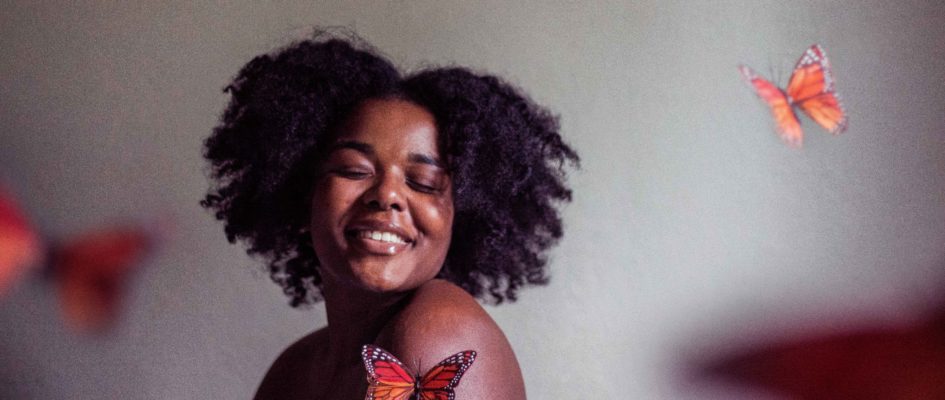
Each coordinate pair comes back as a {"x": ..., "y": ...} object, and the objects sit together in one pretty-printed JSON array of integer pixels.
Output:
[
  {"x": 427, "y": 179},
  {"x": 423, "y": 188}
]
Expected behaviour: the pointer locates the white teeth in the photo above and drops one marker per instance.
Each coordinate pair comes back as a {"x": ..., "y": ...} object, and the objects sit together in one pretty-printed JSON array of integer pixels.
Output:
[{"x": 382, "y": 236}]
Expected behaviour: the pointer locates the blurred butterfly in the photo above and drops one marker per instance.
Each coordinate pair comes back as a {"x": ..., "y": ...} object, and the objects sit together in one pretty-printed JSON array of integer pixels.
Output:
[
  {"x": 811, "y": 88},
  {"x": 89, "y": 270},
  {"x": 389, "y": 379},
  {"x": 879, "y": 363},
  {"x": 20, "y": 246},
  {"x": 92, "y": 270}
]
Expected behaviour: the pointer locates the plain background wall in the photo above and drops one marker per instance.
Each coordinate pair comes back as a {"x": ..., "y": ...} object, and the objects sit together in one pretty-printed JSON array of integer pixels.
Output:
[{"x": 692, "y": 227}]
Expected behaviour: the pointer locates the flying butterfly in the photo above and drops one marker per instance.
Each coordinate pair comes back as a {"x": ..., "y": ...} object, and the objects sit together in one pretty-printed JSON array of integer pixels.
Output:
[
  {"x": 389, "y": 379},
  {"x": 811, "y": 88},
  {"x": 89, "y": 270}
]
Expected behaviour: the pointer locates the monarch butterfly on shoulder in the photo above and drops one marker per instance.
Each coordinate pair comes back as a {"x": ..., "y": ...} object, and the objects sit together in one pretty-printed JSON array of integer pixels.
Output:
[
  {"x": 389, "y": 379},
  {"x": 811, "y": 88}
]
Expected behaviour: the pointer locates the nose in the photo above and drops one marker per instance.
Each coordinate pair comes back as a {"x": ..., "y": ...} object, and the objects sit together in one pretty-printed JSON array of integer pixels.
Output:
[{"x": 386, "y": 193}]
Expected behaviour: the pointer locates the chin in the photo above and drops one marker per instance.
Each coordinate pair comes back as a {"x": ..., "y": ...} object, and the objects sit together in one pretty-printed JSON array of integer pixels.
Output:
[{"x": 380, "y": 278}]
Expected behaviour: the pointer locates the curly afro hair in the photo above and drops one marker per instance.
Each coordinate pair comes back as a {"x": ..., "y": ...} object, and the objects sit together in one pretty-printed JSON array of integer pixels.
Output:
[{"x": 502, "y": 151}]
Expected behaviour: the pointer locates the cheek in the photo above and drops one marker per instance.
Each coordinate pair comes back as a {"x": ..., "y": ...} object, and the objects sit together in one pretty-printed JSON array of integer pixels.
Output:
[
  {"x": 441, "y": 232},
  {"x": 438, "y": 219},
  {"x": 329, "y": 202}
]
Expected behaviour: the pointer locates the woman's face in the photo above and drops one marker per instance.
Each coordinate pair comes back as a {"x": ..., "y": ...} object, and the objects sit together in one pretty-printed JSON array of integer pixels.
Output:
[{"x": 382, "y": 206}]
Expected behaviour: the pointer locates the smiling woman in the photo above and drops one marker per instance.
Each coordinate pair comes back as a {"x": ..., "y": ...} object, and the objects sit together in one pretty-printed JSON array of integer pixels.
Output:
[
  {"x": 383, "y": 201},
  {"x": 396, "y": 200}
]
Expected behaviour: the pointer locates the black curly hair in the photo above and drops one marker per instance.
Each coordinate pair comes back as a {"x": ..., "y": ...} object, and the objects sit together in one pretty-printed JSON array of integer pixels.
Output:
[{"x": 502, "y": 151}]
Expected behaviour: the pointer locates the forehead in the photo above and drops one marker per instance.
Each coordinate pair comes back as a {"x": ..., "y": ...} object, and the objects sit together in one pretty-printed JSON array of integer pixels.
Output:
[{"x": 391, "y": 125}]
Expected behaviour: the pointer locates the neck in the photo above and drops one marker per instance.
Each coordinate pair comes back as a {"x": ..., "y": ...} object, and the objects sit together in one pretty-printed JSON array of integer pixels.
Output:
[{"x": 355, "y": 318}]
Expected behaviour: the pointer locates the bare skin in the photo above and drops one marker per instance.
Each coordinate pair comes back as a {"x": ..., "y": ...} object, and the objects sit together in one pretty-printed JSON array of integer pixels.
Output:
[
  {"x": 429, "y": 329},
  {"x": 382, "y": 215}
]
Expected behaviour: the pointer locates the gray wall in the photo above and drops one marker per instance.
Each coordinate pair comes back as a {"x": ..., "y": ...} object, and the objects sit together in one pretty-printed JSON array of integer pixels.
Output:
[{"x": 692, "y": 225}]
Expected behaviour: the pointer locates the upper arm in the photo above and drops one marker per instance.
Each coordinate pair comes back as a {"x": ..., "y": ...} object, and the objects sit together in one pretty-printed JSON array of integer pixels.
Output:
[{"x": 442, "y": 320}]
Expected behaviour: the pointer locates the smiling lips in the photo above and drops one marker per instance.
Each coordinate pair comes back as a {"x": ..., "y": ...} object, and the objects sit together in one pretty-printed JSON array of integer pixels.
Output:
[
  {"x": 387, "y": 237},
  {"x": 379, "y": 240}
]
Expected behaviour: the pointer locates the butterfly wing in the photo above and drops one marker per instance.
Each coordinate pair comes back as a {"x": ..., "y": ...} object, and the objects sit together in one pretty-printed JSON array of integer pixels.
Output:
[
  {"x": 388, "y": 378},
  {"x": 439, "y": 381},
  {"x": 91, "y": 271},
  {"x": 20, "y": 245},
  {"x": 811, "y": 88},
  {"x": 789, "y": 128}
]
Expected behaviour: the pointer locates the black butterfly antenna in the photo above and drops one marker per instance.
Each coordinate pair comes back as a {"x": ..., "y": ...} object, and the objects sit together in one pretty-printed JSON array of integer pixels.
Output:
[{"x": 419, "y": 369}]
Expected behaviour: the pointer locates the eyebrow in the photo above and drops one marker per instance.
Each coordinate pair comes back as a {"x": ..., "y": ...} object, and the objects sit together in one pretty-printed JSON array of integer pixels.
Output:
[
  {"x": 352, "y": 144},
  {"x": 367, "y": 149},
  {"x": 425, "y": 159}
]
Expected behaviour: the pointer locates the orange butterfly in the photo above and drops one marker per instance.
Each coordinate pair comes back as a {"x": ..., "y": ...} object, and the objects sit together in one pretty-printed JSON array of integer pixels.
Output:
[
  {"x": 89, "y": 270},
  {"x": 388, "y": 378},
  {"x": 811, "y": 89}
]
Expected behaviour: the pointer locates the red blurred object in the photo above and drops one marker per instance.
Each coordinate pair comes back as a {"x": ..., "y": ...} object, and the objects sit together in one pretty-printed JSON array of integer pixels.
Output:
[
  {"x": 20, "y": 246},
  {"x": 91, "y": 272},
  {"x": 881, "y": 363}
]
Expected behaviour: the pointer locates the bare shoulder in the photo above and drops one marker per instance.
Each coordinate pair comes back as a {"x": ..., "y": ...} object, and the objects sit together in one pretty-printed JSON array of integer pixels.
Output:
[
  {"x": 290, "y": 376},
  {"x": 440, "y": 320}
]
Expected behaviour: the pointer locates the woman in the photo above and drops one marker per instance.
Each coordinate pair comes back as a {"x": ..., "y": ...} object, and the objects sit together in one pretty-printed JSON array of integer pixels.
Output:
[{"x": 396, "y": 200}]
